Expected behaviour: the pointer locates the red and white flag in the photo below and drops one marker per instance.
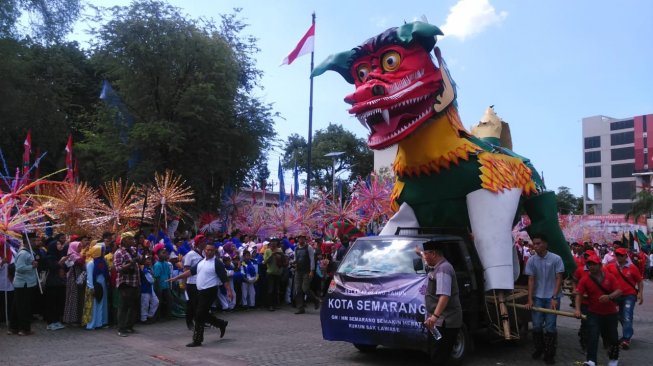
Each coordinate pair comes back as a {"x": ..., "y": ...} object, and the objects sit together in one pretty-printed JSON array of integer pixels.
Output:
[
  {"x": 70, "y": 177},
  {"x": 27, "y": 145},
  {"x": 304, "y": 46}
]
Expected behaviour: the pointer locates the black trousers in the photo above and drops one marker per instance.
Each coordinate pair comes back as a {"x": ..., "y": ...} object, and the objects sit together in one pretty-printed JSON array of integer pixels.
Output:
[
  {"x": 274, "y": 283},
  {"x": 21, "y": 312},
  {"x": 130, "y": 305},
  {"x": 55, "y": 300},
  {"x": 166, "y": 302},
  {"x": 445, "y": 345},
  {"x": 205, "y": 298},
  {"x": 191, "y": 305}
]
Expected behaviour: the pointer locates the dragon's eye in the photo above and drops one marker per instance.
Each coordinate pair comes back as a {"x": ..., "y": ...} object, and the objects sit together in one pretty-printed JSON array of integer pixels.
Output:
[
  {"x": 361, "y": 71},
  {"x": 390, "y": 61}
]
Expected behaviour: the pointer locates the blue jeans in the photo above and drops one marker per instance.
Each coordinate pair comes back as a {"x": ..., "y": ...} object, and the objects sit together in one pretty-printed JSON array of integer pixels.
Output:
[
  {"x": 606, "y": 327},
  {"x": 626, "y": 308},
  {"x": 543, "y": 321}
]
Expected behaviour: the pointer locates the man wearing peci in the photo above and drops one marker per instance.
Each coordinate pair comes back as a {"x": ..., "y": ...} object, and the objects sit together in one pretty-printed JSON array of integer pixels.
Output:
[{"x": 442, "y": 302}]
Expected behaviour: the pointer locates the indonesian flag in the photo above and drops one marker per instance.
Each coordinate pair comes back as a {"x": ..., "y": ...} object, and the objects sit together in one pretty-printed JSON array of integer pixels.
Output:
[
  {"x": 70, "y": 178},
  {"x": 304, "y": 46},
  {"x": 27, "y": 145}
]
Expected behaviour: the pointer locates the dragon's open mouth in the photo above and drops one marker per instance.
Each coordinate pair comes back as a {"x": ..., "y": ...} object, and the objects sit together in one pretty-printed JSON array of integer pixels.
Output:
[{"x": 391, "y": 124}]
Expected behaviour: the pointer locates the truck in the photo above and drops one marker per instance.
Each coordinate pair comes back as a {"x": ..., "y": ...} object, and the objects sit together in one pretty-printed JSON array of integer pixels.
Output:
[{"x": 376, "y": 297}]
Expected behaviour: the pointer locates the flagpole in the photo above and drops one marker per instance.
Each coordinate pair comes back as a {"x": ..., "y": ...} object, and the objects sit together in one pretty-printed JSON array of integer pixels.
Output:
[
  {"x": 6, "y": 297},
  {"x": 310, "y": 127}
]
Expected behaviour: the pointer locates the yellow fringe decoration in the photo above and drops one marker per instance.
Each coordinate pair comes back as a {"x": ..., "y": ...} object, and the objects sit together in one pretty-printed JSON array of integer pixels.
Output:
[
  {"x": 499, "y": 172},
  {"x": 437, "y": 145}
]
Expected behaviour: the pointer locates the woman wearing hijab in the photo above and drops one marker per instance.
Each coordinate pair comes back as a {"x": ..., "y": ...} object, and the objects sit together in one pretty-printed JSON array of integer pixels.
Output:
[
  {"x": 73, "y": 310},
  {"x": 96, "y": 311},
  {"x": 6, "y": 278},
  {"x": 55, "y": 283},
  {"x": 20, "y": 321}
]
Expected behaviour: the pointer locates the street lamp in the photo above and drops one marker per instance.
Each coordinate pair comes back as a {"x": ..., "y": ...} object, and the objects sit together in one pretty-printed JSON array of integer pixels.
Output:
[{"x": 334, "y": 155}]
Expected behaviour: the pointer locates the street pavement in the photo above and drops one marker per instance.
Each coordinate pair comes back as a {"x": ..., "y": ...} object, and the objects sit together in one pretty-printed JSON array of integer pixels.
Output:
[{"x": 260, "y": 337}]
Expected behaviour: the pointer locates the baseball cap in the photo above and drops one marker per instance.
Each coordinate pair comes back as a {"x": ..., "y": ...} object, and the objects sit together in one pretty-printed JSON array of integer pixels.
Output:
[
  {"x": 621, "y": 251},
  {"x": 593, "y": 259}
]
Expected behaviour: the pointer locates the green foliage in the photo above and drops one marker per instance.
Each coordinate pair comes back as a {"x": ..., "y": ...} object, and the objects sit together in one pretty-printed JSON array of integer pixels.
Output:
[
  {"x": 642, "y": 204},
  {"x": 50, "y": 89},
  {"x": 568, "y": 204},
  {"x": 357, "y": 159},
  {"x": 187, "y": 85},
  {"x": 50, "y": 20}
]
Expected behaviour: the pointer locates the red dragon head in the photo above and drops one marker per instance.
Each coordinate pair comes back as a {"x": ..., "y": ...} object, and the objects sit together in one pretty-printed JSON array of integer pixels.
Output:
[{"x": 398, "y": 86}]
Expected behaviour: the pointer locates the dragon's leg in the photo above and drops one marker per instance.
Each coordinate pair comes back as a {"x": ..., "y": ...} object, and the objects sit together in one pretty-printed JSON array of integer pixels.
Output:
[
  {"x": 542, "y": 209},
  {"x": 491, "y": 216},
  {"x": 405, "y": 217}
]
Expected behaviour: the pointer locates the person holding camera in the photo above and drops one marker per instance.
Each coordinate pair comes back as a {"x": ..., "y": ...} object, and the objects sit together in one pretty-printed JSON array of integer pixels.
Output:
[{"x": 128, "y": 284}]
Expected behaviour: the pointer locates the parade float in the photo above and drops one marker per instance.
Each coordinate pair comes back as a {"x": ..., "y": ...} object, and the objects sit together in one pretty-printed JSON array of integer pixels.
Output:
[{"x": 446, "y": 176}]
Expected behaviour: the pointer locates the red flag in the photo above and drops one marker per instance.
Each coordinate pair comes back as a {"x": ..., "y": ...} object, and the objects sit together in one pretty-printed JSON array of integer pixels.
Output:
[
  {"x": 70, "y": 177},
  {"x": 304, "y": 46},
  {"x": 27, "y": 145}
]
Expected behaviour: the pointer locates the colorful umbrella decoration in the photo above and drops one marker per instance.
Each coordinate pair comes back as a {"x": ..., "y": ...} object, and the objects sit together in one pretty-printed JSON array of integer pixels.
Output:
[
  {"x": 342, "y": 229},
  {"x": 168, "y": 193}
]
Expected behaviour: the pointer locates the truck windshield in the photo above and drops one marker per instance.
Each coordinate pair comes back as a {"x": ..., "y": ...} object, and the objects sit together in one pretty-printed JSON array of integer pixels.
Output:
[{"x": 380, "y": 257}]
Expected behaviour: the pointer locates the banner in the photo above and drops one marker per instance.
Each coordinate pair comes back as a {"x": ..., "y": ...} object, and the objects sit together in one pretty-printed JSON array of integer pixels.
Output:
[{"x": 385, "y": 311}]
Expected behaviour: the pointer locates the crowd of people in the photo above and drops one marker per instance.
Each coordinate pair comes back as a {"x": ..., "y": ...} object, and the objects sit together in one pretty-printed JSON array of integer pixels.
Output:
[
  {"x": 607, "y": 284},
  {"x": 82, "y": 281},
  {"x": 122, "y": 280}
]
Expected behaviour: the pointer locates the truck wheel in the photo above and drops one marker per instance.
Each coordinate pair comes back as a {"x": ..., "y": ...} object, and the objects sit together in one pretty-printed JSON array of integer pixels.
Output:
[
  {"x": 462, "y": 346},
  {"x": 365, "y": 348}
]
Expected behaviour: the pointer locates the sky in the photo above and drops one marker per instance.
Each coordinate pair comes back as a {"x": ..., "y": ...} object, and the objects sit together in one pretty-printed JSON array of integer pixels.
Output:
[{"x": 544, "y": 65}]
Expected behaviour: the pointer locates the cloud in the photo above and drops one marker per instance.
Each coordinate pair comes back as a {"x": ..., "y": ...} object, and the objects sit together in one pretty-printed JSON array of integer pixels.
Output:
[
  {"x": 380, "y": 21},
  {"x": 470, "y": 17}
]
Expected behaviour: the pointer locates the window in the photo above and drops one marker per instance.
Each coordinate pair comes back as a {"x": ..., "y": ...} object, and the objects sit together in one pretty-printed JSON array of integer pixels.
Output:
[
  {"x": 592, "y": 142},
  {"x": 622, "y": 153},
  {"x": 622, "y": 138},
  {"x": 592, "y": 157},
  {"x": 621, "y": 125},
  {"x": 379, "y": 257},
  {"x": 593, "y": 171},
  {"x": 623, "y": 170},
  {"x": 623, "y": 190},
  {"x": 621, "y": 208}
]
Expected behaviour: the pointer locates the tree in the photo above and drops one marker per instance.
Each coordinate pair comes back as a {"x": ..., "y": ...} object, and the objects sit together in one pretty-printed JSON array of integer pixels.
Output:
[
  {"x": 568, "y": 204},
  {"x": 50, "y": 89},
  {"x": 49, "y": 20},
  {"x": 187, "y": 85},
  {"x": 642, "y": 204},
  {"x": 357, "y": 158}
]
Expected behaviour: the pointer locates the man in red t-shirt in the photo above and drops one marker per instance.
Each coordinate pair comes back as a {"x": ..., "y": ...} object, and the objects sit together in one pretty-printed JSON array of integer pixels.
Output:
[
  {"x": 580, "y": 272},
  {"x": 632, "y": 287},
  {"x": 600, "y": 289}
]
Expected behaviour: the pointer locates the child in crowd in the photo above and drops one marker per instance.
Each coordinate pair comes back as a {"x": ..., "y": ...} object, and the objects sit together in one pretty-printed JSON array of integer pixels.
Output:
[
  {"x": 250, "y": 274},
  {"x": 227, "y": 304},
  {"x": 149, "y": 301}
]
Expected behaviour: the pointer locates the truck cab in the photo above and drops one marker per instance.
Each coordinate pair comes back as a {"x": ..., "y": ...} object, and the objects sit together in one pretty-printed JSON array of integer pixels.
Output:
[{"x": 376, "y": 297}]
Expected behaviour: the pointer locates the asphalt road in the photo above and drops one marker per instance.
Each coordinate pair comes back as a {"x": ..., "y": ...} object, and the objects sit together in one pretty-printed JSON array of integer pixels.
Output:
[{"x": 260, "y": 337}]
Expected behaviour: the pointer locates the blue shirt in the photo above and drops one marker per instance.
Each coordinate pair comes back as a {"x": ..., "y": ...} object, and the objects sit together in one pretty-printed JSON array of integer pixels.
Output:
[
  {"x": 162, "y": 274},
  {"x": 25, "y": 273},
  {"x": 544, "y": 269}
]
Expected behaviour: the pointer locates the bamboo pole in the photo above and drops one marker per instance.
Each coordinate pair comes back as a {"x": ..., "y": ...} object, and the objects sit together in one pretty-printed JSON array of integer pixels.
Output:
[
  {"x": 549, "y": 311},
  {"x": 504, "y": 315}
]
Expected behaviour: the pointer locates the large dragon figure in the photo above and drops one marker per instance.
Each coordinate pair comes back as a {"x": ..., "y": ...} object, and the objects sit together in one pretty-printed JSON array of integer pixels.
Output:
[{"x": 445, "y": 176}]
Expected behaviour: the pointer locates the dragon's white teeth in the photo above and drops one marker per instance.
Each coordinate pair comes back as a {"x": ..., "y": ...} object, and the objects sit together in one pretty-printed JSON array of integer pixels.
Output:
[{"x": 386, "y": 116}]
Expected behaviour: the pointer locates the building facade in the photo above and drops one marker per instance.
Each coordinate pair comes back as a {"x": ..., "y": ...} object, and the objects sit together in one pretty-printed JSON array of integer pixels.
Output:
[{"x": 616, "y": 162}]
